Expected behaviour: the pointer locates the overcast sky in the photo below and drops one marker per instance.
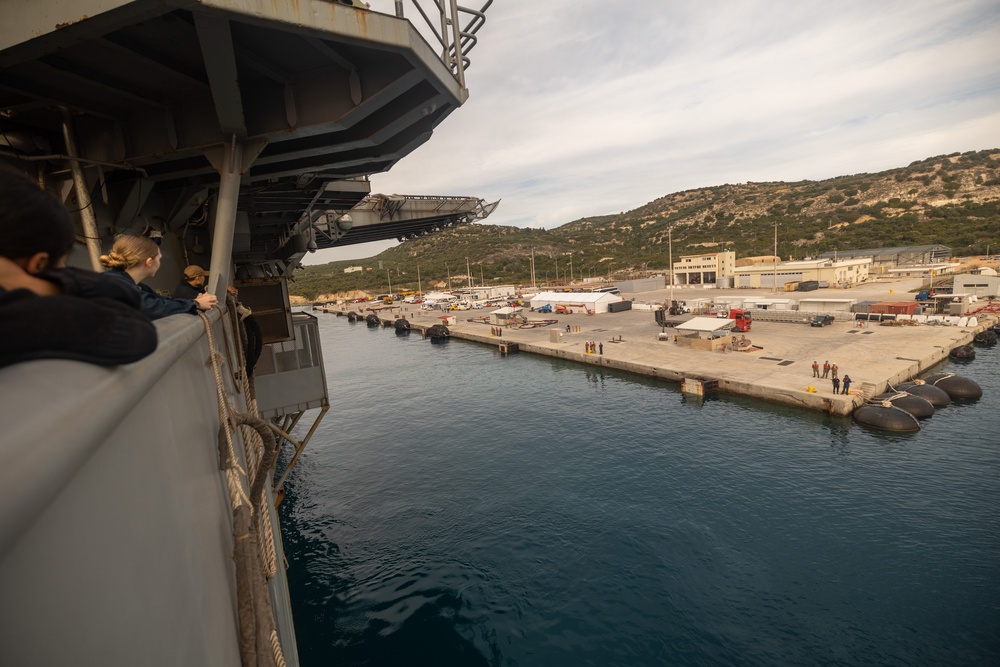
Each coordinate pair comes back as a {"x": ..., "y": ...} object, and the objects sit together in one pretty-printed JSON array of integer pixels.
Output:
[{"x": 590, "y": 107}]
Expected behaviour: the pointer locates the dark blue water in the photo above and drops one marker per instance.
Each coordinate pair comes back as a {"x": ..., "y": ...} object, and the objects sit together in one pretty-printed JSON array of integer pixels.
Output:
[{"x": 459, "y": 508}]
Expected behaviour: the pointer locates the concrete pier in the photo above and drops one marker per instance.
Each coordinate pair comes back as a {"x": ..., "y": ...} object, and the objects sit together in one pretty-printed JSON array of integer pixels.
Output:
[{"x": 777, "y": 369}]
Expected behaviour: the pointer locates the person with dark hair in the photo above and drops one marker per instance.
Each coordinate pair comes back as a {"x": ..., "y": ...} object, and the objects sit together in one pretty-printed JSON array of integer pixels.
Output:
[
  {"x": 133, "y": 259},
  {"x": 48, "y": 311}
]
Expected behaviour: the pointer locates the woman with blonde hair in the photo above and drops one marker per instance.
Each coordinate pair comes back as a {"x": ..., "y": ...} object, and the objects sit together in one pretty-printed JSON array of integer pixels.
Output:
[{"x": 134, "y": 259}]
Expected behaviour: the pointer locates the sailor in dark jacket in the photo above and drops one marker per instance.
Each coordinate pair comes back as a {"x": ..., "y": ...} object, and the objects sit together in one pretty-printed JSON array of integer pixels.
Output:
[
  {"x": 51, "y": 312},
  {"x": 192, "y": 284},
  {"x": 92, "y": 320},
  {"x": 133, "y": 259}
]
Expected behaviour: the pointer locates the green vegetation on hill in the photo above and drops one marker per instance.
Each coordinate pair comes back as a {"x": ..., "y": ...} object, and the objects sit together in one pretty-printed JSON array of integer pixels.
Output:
[{"x": 950, "y": 199}]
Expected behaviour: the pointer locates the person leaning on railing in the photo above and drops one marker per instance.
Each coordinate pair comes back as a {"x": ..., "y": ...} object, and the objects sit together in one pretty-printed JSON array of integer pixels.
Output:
[
  {"x": 135, "y": 258},
  {"x": 48, "y": 311}
]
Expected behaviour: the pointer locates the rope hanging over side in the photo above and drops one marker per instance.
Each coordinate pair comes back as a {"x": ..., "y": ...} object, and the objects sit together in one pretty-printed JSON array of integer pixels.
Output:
[{"x": 257, "y": 629}]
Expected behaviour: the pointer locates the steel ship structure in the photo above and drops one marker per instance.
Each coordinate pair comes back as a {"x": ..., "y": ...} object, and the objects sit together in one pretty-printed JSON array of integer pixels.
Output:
[{"x": 138, "y": 525}]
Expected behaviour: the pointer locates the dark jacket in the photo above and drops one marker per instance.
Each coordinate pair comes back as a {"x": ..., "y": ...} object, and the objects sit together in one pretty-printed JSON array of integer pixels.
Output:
[
  {"x": 94, "y": 320},
  {"x": 151, "y": 303},
  {"x": 185, "y": 290}
]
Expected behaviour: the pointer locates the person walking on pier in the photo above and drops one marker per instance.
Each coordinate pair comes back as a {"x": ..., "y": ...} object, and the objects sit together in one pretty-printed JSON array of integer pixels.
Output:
[
  {"x": 836, "y": 384},
  {"x": 600, "y": 346},
  {"x": 815, "y": 369},
  {"x": 847, "y": 384},
  {"x": 826, "y": 369}
]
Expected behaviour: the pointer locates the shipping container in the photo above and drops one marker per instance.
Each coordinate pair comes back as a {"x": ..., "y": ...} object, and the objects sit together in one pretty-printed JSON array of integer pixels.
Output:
[
  {"x": 808, "y": 285},
  {"x": 619, "y": 306}
]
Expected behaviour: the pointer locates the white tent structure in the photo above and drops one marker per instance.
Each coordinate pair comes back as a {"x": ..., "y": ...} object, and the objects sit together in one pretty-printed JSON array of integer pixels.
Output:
[
  {"x": 583, "y": 302},
  {"x": 706, "y": 327}
]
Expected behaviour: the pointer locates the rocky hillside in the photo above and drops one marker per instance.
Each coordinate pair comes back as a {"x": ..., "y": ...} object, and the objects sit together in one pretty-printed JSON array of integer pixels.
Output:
[{"x": 950, "y": 199}]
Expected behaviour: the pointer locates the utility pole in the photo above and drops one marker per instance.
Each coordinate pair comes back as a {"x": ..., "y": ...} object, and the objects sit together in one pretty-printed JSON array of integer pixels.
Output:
[
  {"x": 420, "y": 289},
  {"x": 775, "y": 257},
  {"x": 670, "y": 246},
  {"x": 533, "y": 269},
  {"x": 388, "y": 274},
  {"x": 468, "y": 271},
  {"x": 571, "y": 268},
  {"x": 448, "y": 271}
]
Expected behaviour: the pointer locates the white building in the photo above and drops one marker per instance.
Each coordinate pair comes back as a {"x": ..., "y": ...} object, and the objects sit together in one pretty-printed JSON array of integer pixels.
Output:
[
  {"x": 578, "y": 302},
  {"x": 842, "y": 272},
  {"x": 704, "y": 269},
  {"x": 978, "y": 285},
  {"x": 487, "y": 293},
  {"x": 824, "y": 305},
  {"x": 354, "y": 269}
]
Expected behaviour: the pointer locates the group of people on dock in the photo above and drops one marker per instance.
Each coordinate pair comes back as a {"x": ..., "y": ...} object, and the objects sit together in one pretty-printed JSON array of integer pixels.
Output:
[{"x": 833, "y": 371}]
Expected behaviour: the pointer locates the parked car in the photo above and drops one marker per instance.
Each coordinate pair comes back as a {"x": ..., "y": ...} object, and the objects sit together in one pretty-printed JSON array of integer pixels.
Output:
[{"x": 821, "y": 320}]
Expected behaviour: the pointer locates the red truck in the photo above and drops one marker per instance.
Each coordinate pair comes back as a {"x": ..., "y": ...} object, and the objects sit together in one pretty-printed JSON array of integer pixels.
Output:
[{"x": 743, "y": 318}]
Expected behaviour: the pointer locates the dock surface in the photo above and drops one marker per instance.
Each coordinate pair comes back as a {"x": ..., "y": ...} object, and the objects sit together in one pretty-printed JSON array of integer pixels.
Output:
[{"x": 778, "y": 368}]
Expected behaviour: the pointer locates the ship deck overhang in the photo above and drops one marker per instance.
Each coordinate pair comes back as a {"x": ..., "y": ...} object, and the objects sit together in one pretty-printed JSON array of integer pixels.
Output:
[{"x": 304, "y": 99}]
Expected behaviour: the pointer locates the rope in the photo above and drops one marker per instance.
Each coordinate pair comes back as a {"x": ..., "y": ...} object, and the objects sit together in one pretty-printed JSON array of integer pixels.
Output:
[{"x": 259, "y": 645}]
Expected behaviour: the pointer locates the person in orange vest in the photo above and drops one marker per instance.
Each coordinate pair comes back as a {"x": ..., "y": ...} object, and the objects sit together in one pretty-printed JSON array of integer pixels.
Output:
[
  {"x": 826, "y": 369},
  {"x": 815, "y": 368}
]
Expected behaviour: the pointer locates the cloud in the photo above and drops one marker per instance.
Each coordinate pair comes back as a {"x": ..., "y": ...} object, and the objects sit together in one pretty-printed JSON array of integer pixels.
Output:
[{"x": 587, "y": 107}]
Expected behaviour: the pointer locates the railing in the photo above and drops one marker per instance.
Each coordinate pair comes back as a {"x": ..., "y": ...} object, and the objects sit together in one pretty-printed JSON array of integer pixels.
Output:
[{"x": 442, "y": 19}]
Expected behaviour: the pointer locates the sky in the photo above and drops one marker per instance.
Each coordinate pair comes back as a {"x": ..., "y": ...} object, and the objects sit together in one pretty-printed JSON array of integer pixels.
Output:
[{"x": 587, "y": 107}]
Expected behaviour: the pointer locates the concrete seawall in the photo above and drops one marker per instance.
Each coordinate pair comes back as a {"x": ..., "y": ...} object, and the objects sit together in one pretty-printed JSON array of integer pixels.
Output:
[{"x": 777, "y": 370}]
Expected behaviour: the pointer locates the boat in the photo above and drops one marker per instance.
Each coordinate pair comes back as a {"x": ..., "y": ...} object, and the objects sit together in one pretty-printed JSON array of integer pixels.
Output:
[{"x": 139, "y": 523}]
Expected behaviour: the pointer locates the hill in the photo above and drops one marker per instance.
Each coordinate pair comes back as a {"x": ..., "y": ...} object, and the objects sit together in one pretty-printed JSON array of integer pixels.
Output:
[{"x": 950, "y": 199}]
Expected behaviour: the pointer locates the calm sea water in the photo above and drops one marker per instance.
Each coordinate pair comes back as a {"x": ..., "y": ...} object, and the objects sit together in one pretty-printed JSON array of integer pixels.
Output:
[{"x": 460, "y": 508}]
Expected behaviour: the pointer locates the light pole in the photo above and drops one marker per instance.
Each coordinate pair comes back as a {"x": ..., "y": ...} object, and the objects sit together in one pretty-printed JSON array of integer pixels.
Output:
[
  {"x": 670, "y": 246},
  {"x": 775, "y": 257}
]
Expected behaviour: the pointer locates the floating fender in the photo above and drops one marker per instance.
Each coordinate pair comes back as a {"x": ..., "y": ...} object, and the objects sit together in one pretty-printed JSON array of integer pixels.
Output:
[
  {"x": 373, "y": 320},
  {"x": 886, "y": 417},
  {"x": 964, "y": 353},
  {"x": 937, "y": 396},
  {"x": 987, "y": 337},
  {"x": 957, "y": 387},
  {"x": 917, "y": 406},
  {"x": 352, "y": 316},
  {"x": 438, "y": 331},
  {"x": 402, "y": 326}
]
